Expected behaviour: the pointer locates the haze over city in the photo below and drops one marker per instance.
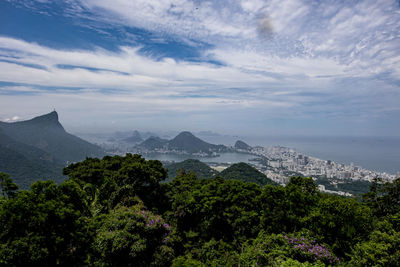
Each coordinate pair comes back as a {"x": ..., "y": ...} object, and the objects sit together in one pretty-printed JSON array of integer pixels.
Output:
[{"x": 242, "y": 67}]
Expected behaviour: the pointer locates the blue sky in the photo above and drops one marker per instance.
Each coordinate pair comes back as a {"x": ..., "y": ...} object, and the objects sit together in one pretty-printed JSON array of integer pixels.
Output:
[{"x": 236, "y": 67}]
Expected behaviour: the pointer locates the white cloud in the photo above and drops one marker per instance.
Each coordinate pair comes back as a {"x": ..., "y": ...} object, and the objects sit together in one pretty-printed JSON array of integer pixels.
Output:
[
  {"x": 13, "y": 119},
  {"x": 278, "y": 55},
  {"x": 122, "y": 70},
  {"x": 186, "y": 18}
]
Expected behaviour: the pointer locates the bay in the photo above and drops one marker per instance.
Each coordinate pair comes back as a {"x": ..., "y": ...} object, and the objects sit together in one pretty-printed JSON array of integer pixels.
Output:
[{"x": 380, "y": 154}]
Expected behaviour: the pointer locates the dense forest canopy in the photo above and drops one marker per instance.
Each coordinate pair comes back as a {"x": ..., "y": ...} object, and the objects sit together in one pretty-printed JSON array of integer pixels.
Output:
[
  {"x": 115, "y": 212},
  {"x": 201, "y": 169}
]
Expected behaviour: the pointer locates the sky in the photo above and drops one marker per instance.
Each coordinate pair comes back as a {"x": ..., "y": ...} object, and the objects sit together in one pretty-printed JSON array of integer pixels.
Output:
[{"x": 279, "y": 67}]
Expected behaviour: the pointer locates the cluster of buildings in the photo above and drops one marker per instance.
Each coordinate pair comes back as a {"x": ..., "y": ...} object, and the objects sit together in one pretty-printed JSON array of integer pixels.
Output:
[{"x": 280, "y": 163}]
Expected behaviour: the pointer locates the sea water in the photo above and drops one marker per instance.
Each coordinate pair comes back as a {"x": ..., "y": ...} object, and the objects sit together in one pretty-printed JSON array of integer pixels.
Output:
[{"x": 380, "y": 154}]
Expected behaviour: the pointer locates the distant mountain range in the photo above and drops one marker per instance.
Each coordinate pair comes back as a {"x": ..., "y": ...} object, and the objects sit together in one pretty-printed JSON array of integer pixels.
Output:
[
  {"x": 39, "y": 148},
  {"x": 185, "y": 141}
]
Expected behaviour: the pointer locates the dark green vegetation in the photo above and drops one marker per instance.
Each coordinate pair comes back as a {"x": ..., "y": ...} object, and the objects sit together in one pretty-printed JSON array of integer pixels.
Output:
[
  {"x": 115, "y": 212},
  {"x": 27, "y": 163},
  {"x": 39, "y": 148},
  {"x": 239, "y": 171},
  {"x": 356, "y": 188},
  {"x": 246, "y": 173},
  {"x": 201, "y": 169}
]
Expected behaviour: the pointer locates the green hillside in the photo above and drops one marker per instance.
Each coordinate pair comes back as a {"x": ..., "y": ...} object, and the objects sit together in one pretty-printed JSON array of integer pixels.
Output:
[
  {"x": 39, "y": 148},
  {"x": 27, "y": 164},
  {"x": 244, "y": 172},
  {"x": 46, "y": 133},
  {"x": 201, "y": 169}
]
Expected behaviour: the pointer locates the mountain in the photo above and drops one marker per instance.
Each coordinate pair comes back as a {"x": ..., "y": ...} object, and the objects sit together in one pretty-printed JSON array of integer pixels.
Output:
[
  {"x": 146, "y": 135},
  {"x": 134, "y": 138},
  {"x": 201, "y": 169},
  {"x": 46, "y": 133},
  {"x": 242, "y": 145},
  {"x": 27, "y": 164},
  {"x": 186, "y": 141},
  {"x": 39, "y": 149},
  {"x": 153, "y": 142},
  {"x": 244, "y": 172}
]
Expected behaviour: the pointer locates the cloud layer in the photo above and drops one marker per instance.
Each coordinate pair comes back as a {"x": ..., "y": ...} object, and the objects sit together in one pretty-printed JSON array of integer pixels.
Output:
[{"x": 336, "y": 64}]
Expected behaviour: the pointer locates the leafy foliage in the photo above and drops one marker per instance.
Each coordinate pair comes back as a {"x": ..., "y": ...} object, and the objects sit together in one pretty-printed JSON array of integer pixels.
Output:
[
  {"x": 201, "y": 169},
  {"x": 280, "y": 250},
  {"x": 116, "y": 212},
  {"x": 44, "y": 226},
  {"x": 132, "y": 235},
  {"x": 7, "y": 186},
  {"x": 357, "y": 188},
  {"x": 117, "y": 179},
  {"x": 246, "y": 173}
]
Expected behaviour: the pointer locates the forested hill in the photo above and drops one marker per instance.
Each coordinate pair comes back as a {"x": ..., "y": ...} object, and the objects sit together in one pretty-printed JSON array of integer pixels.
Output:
[
  {"x": 239, "y": 171},
  {"x": 246, "y": 173},
  {"x": 39, "y": 148},
  {"x": 201, "y": 169},
  {"x": 46, "y": 133},
  {"x": 116, "y": 212},
  {"x": 27, "y": 163}
]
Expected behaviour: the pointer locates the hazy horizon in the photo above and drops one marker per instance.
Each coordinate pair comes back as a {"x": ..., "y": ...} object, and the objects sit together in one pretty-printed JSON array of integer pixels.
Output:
[{"x": 250, "y": 67}]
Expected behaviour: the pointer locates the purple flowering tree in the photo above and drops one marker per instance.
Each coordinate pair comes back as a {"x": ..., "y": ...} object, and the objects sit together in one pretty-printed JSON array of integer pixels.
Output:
[{"x": 132, "y": 235}]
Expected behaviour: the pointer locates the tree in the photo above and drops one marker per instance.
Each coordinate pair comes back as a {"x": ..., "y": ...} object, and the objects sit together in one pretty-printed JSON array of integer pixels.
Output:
[
  {"x": 340, "y": 222},
  {"x": 283, "y": 208},
  {"x": 113, "y": 180},
  {"x": 384, "y": 197},
  {"x": 44, "y": 226},
  {"x": 226, "y": 211},
  {"x": 8, "y": 187},
  {"x": 132, "y": 236},
  {"x": 382, "y": 248}
]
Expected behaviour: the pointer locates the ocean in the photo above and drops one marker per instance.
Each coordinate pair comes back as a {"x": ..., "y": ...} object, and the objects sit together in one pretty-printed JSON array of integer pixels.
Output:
[{"x": 380, "y": 154}]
